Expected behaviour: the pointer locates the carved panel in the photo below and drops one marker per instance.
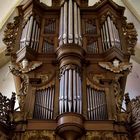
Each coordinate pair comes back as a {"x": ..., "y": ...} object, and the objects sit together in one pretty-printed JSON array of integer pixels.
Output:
[{"x": 39, "y": 135}]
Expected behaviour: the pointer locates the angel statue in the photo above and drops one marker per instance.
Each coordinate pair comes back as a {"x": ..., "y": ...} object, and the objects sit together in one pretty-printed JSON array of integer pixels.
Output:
[{"x": 116, "y": 66}]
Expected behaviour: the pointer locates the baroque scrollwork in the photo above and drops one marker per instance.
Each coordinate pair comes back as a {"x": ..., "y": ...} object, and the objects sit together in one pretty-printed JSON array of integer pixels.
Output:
[
  {"x": 10, "y": 35},
  {"x": 131, "y": 37},
  {"x": 118, "y": 95},
  {"x": 116, "y": 66}
]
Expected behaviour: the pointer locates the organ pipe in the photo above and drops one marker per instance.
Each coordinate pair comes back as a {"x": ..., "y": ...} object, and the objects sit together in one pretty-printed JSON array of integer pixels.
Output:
[
  {"x": 74, "y": 90},
  {"x": 70, "y": 23},
  {"x": 70, "y": 85},
  {"x": 44, "y": 100},
  {"x": 75, "y": 23},
  {"x": 79, "y": 27},
  {"x": 61, "y": 26},
  {"x": 70, "y": 91},
  {"x": 30, "y": 34},
  {"x": 96, "y": 104},
  {"x": 65, "y": 23},
  {"x": 109, "y": 34}
]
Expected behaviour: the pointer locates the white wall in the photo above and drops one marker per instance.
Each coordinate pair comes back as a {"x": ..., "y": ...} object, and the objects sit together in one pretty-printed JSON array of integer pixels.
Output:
[{"x": 6, "y": 81}]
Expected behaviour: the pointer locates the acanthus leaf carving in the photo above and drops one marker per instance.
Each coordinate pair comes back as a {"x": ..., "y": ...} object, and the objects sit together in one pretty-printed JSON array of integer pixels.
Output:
[
  {"x": 130, "y": 34},
  {"x": 10, "y": 35}
]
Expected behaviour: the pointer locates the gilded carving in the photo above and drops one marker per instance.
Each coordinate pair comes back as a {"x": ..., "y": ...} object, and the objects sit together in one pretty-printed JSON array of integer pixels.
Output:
[
  {"x": 24, "y": 67},
  {"x": 10, "y": 35},
  {"x": 118, "y": 95},
  {"x": 100, "y": 135},
  {"x": 131, "y": 37},
  {"x": 39, "y": 135},
  {"x": 96, "y": 86},
  {"x": 24, "y": 85},
  {"x": 116, "y": 66}
]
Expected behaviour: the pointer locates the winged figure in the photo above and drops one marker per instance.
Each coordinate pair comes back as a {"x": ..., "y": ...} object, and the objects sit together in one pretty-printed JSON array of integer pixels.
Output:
[
  {"x": 116, "y": 66},
  {"x": 20, "y": 68}
]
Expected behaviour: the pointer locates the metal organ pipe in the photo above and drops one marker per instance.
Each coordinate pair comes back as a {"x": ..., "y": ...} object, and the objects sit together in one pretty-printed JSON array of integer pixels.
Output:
[
  {"x": 74, "y": 90},
  {"x": 61, "y": 26},
  {"x": 70, "y": 22},
  {"x": 44, "y": 100},
  {"x": 29, "y": 30},
  {"x": 79, "y": 27},
  {"x": 109, "y": 34},
  {"x": 70, "y": 84},
  {"x": 65, "y": 23},
  {"x": 70, "y": 91},
  {"x": 30, "y": 34},
  {"x": 75, "y": 23},
  {"x": 110, "y": 31},
  {"x": 96, "y": 104}
]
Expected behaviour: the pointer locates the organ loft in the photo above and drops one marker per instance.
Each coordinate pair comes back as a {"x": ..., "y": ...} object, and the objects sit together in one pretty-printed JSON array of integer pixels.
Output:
[{"x": 70, "y": 64}]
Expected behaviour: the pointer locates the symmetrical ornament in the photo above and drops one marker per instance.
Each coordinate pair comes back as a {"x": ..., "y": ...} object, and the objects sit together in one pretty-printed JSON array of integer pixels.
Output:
[{"x": 116, "y": 66}]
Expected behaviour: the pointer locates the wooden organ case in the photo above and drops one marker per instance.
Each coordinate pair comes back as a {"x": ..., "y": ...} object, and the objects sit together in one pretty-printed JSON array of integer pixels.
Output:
[{"x": 70, "y": 63}]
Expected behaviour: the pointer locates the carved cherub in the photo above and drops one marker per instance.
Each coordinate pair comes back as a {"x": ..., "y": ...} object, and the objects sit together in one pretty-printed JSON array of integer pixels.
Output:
[{"x": 116, "y": 66}]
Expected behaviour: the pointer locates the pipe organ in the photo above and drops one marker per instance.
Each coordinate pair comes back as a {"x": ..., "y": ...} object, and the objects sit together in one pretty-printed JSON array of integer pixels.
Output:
[
  {"x": 70, "y": 97},
  {"x": 109, "y": 34},
  {"x": 70, "y": 63},
  {"x": 44, "y": 103},
  {"x": 30, "y": 34},
  {"x": 70, "y": 23},
  {"x": 96, "y": 100}
]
